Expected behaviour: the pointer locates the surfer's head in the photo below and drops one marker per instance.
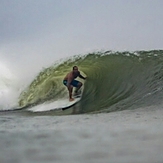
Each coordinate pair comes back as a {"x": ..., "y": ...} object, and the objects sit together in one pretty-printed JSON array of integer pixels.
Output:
[{"x": 75, "y": 69}]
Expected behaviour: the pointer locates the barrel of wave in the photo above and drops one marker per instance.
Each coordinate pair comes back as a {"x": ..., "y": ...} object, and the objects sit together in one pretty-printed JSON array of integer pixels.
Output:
[{"x": 46, "y": 87}]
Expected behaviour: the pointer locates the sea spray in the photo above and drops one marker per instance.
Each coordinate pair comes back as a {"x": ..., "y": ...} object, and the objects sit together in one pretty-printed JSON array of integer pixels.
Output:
[{"x": 9, "y": 89}]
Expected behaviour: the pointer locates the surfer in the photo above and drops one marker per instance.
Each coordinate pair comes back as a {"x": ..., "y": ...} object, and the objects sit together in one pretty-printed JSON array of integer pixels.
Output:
[{"x": 70, "y": 82}]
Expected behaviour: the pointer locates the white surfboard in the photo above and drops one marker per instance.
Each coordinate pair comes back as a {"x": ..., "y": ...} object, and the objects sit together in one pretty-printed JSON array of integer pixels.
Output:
[
  {"x": 71, "y": 103},
  {"x": 61, "y": 104}
]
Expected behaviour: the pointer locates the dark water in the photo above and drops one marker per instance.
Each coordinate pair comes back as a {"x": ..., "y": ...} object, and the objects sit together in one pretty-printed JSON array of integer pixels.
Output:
[{"x": 115, "y": 81}]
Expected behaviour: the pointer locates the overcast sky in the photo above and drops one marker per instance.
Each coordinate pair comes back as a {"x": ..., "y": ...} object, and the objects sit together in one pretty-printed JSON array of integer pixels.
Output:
[{"x": 41, "y": 31}]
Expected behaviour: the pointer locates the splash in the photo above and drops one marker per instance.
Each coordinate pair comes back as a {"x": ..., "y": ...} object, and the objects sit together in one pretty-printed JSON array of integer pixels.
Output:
[{"x": 8, "y": 93}]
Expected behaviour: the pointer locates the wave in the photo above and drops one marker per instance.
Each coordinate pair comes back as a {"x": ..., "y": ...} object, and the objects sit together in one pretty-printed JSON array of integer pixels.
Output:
[{"x": 115, "y": 81}]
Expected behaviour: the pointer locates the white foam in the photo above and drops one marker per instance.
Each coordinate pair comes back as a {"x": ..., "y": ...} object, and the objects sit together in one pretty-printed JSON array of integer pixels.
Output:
[
  {"x": 8, "y": 88},
  {"x": 59, "y": 104}
]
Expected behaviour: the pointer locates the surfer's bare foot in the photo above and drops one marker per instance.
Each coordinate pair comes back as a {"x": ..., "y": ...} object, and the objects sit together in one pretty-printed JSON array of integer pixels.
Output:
[{"x": 71, "y": 99}]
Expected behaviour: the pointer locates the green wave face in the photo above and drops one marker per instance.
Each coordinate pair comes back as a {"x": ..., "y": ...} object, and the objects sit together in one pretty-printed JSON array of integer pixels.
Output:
[{"x": 115, "y": 81}]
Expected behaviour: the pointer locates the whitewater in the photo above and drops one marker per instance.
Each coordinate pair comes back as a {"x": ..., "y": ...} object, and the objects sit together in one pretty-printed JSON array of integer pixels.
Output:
[{"x": 118, "y": 119}]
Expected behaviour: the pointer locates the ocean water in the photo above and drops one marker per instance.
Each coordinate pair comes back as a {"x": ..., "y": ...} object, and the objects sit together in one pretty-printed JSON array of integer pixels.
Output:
[{"x": 118, "y": 119}]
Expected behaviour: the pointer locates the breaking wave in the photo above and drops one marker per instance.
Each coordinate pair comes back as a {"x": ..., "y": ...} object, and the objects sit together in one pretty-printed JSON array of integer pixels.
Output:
[{"x": 115, "y": 81}]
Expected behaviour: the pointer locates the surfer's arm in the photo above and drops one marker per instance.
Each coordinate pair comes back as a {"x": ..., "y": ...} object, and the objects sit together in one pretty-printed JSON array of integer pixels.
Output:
[
  {"x": 69, "y": 79},
  {"x": 82, "y": 77}
]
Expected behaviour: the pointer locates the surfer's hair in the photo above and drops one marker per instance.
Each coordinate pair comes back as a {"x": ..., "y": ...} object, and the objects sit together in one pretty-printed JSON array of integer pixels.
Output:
[{"x": 74, "y": 67}]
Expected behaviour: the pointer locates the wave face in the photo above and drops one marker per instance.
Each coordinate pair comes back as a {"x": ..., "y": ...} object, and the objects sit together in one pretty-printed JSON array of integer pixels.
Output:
[{"x": 115, "y": 81}]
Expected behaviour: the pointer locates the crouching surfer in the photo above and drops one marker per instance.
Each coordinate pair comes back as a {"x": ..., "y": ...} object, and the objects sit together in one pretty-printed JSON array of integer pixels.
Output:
[{"x": 70, "y": 81}]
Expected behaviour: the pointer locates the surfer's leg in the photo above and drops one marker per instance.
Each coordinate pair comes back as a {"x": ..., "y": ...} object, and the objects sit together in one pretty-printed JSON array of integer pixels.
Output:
[
  {"x": 70, "y": 93},
  {"x": 76, "y": 84},
  {"x": 79, "y": 85},
  {"x": 70, "y": 88}
]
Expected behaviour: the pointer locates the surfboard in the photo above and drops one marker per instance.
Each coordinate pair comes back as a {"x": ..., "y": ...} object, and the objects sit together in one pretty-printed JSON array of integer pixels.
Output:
[
  {"x": 61, "y": 104},
  {"x": 71, "y": 103}
]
